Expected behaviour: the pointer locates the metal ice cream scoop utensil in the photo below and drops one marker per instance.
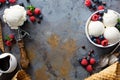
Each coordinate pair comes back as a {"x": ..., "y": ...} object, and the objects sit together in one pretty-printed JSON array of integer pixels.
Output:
[
  {"x": 109, "y": 58},
  {"x": 24, "y": 61}
]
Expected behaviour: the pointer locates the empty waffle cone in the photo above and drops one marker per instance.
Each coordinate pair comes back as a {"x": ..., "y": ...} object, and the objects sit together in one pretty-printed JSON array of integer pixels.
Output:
[
  {"x": 110, "y": 73},
  {"x": 21, "y": 75}
]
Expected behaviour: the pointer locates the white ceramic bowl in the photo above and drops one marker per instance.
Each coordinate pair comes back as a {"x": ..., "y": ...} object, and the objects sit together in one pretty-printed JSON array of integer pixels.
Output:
[{"x": 88, "y": 36}]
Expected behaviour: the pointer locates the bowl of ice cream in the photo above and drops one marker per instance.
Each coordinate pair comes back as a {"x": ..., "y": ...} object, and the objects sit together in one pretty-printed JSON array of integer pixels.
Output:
[{"x": 103, "y": 28}]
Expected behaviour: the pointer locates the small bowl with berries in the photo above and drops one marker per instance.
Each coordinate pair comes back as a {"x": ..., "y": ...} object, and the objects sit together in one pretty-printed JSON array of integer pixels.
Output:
[{"x": 103, "y": 28}]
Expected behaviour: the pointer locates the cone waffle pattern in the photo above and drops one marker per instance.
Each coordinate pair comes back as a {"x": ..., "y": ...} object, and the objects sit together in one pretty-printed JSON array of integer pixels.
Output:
[{"x": 110, "y": 73}]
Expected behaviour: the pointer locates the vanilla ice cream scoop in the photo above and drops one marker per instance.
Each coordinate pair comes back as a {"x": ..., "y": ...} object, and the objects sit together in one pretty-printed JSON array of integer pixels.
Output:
[
  {"x": 112, "y": 34},
  {"x": 96, "y": 28},
  {"x": 14, "y": 16},
  {"x": 110, "y": 18}
]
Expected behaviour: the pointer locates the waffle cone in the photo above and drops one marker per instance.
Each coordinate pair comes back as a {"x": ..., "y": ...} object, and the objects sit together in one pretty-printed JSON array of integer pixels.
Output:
[
  {"x": 110, "y": 73},
  {"x": 21, "y": 75}
]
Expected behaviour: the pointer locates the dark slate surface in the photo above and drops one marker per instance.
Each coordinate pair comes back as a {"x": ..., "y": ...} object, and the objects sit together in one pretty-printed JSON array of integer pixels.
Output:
[{"x": 53, "y": 49}]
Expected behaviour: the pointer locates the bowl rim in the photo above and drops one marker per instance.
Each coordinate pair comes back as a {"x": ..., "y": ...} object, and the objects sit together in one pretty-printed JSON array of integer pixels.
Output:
[{"x": 86, "y": 31}]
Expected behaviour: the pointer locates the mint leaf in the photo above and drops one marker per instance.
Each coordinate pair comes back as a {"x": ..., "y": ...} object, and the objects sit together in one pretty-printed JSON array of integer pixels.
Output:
[{"x": 118, "y": 20}]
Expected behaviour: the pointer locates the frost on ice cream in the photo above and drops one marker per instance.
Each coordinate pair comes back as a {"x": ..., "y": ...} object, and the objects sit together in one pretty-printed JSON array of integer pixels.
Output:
[{"x": 14, "y": 16}]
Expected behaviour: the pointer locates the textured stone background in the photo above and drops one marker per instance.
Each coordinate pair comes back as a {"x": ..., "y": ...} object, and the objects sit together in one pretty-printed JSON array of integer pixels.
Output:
[{"x": 53, "y": 49}]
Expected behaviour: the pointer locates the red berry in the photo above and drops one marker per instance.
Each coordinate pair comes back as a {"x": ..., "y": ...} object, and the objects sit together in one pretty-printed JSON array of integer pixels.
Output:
[
  {"x": 32, "y": 18},
  {"x": 37, "y": 11},
  {"x": 92, "y": 61},
  {"x": 88, "y": 3},
  {"x": 98, "y": 41},
  {"x": 12, "y": 1},
  {"x": 95, "y": 17},
  {"x": 11, "y": 36},
  {"x": 29, "y": 13},
  {"x": 89, "y": 68},
  {"x": 104, "y": 42},
  {"x": 8, "y": 43},
  {"x": 2, "y": 1},
  {"x": 100, "y": 7},
  {"x": 84, "y": 62}
]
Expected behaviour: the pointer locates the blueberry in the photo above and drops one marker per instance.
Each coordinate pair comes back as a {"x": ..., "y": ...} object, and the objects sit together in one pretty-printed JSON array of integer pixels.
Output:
[
  {"x": 21, "y": 4},
  {"x": 92, "y": 38},
  {"x": 104, "y": 3},
  {"x": 7, "y": 3},
  {"x": 94, "y": 7},
  {"x": 105, "y": 10},
  {"x": 101, "y": 13},
  {"x": 99, "y": 2},
  {"x": 95, "y": 40},
  {"x": 0, "y": 4},
  {"x": 28, "y": 1},
  {"x": 40, "y": 16},
  {"x": 101, "y": 37},
  {"x": 100, "y": 19},
  {"x": 95, "y": 1},
  {"x": 39, "y": 21}
]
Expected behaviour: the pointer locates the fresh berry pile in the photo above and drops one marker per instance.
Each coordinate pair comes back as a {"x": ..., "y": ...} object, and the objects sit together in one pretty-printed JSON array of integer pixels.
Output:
[
  {"x": 95, "y": 4},
  {"x": 7, "y": 2},
  {"x": 34, "y": 14},
  {"x": 89, "y": 61},
  {"x": 9, "y": 40}
]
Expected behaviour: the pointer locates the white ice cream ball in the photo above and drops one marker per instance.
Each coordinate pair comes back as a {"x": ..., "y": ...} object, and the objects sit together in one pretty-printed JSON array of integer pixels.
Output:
[
  {"x": 112, "y": 34},
  {"x": 96, "y": 28},
  {"x": 110, "y": 18},
  {"x": 15, "y": 16}
]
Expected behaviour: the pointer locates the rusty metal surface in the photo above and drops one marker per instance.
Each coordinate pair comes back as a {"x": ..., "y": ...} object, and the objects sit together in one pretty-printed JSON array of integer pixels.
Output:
[{"x": 53, "y": 49}]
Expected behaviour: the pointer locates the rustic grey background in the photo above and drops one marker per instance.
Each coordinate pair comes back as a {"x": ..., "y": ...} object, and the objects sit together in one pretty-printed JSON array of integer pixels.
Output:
[{"x": 53, "y": 49}]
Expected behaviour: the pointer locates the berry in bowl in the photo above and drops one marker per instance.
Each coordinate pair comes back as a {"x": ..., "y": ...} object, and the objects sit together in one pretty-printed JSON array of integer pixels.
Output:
[{"x": 103, "y": 28}]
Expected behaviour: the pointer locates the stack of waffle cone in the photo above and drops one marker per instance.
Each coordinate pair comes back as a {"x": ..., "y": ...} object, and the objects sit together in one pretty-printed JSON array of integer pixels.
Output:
[
  {"x": 110, "y": 73},
  {"x": 21, "y": 75}
]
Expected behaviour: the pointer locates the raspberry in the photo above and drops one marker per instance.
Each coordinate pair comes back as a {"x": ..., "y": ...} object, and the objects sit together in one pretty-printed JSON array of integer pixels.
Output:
[
  {"x": 11, "y": 36},
  {"x": 95, "y": 17},
  {"x": 92, "y": 61},
  {"x": 88, "y": 3},
  {"x": 8, "y": 43},
  {"x": 29, "y": 13},
  {"x": 104, "y": 42},
  {"x": 37, "y": 11},
  {"x": 84, "y": 62},
  {"x": 100, "y": 7},
  {"x": 12, "y": 1},
  {"x": 89, "y": 68},
  {"x": 2, "y": 1},
  {"x": 32, "y": 18}
]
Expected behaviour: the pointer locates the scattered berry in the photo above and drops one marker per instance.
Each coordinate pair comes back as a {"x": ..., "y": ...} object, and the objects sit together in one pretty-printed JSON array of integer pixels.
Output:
[
  {"x": 89, "y": 68},
  {"x": 94, "y": 7},
  {"x": 83, "y": 47},
  {"x": 29, "y": 13},
  {"x": 32, "y": 18},
  {"x": 37, "y": 11},
  {"x": 95, "y": 1},
  {"x": 11, "y": 36},
  {"x": 88, "y": 3},
  {"x": 39, "y": 21},
  {"x": 95, "y": 17},
  {"x": 100, "y": 7},
  {"x": 12, "y": 1},
  {"x": 104, "y": 42},
  {"x": 8, "y": 43},
  {"x": 28, "y": 1},
  {"x": 84, "y": 62},
  {"x": 104, "y": 3},
  {"x": 2, "y": 1},
  {"x": 92, "y": 61},
  {"x": 40, "y": 16}
]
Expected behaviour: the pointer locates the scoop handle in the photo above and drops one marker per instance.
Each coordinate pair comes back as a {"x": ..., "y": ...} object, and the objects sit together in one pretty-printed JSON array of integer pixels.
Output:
[{"x": 24, "y": 61}]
